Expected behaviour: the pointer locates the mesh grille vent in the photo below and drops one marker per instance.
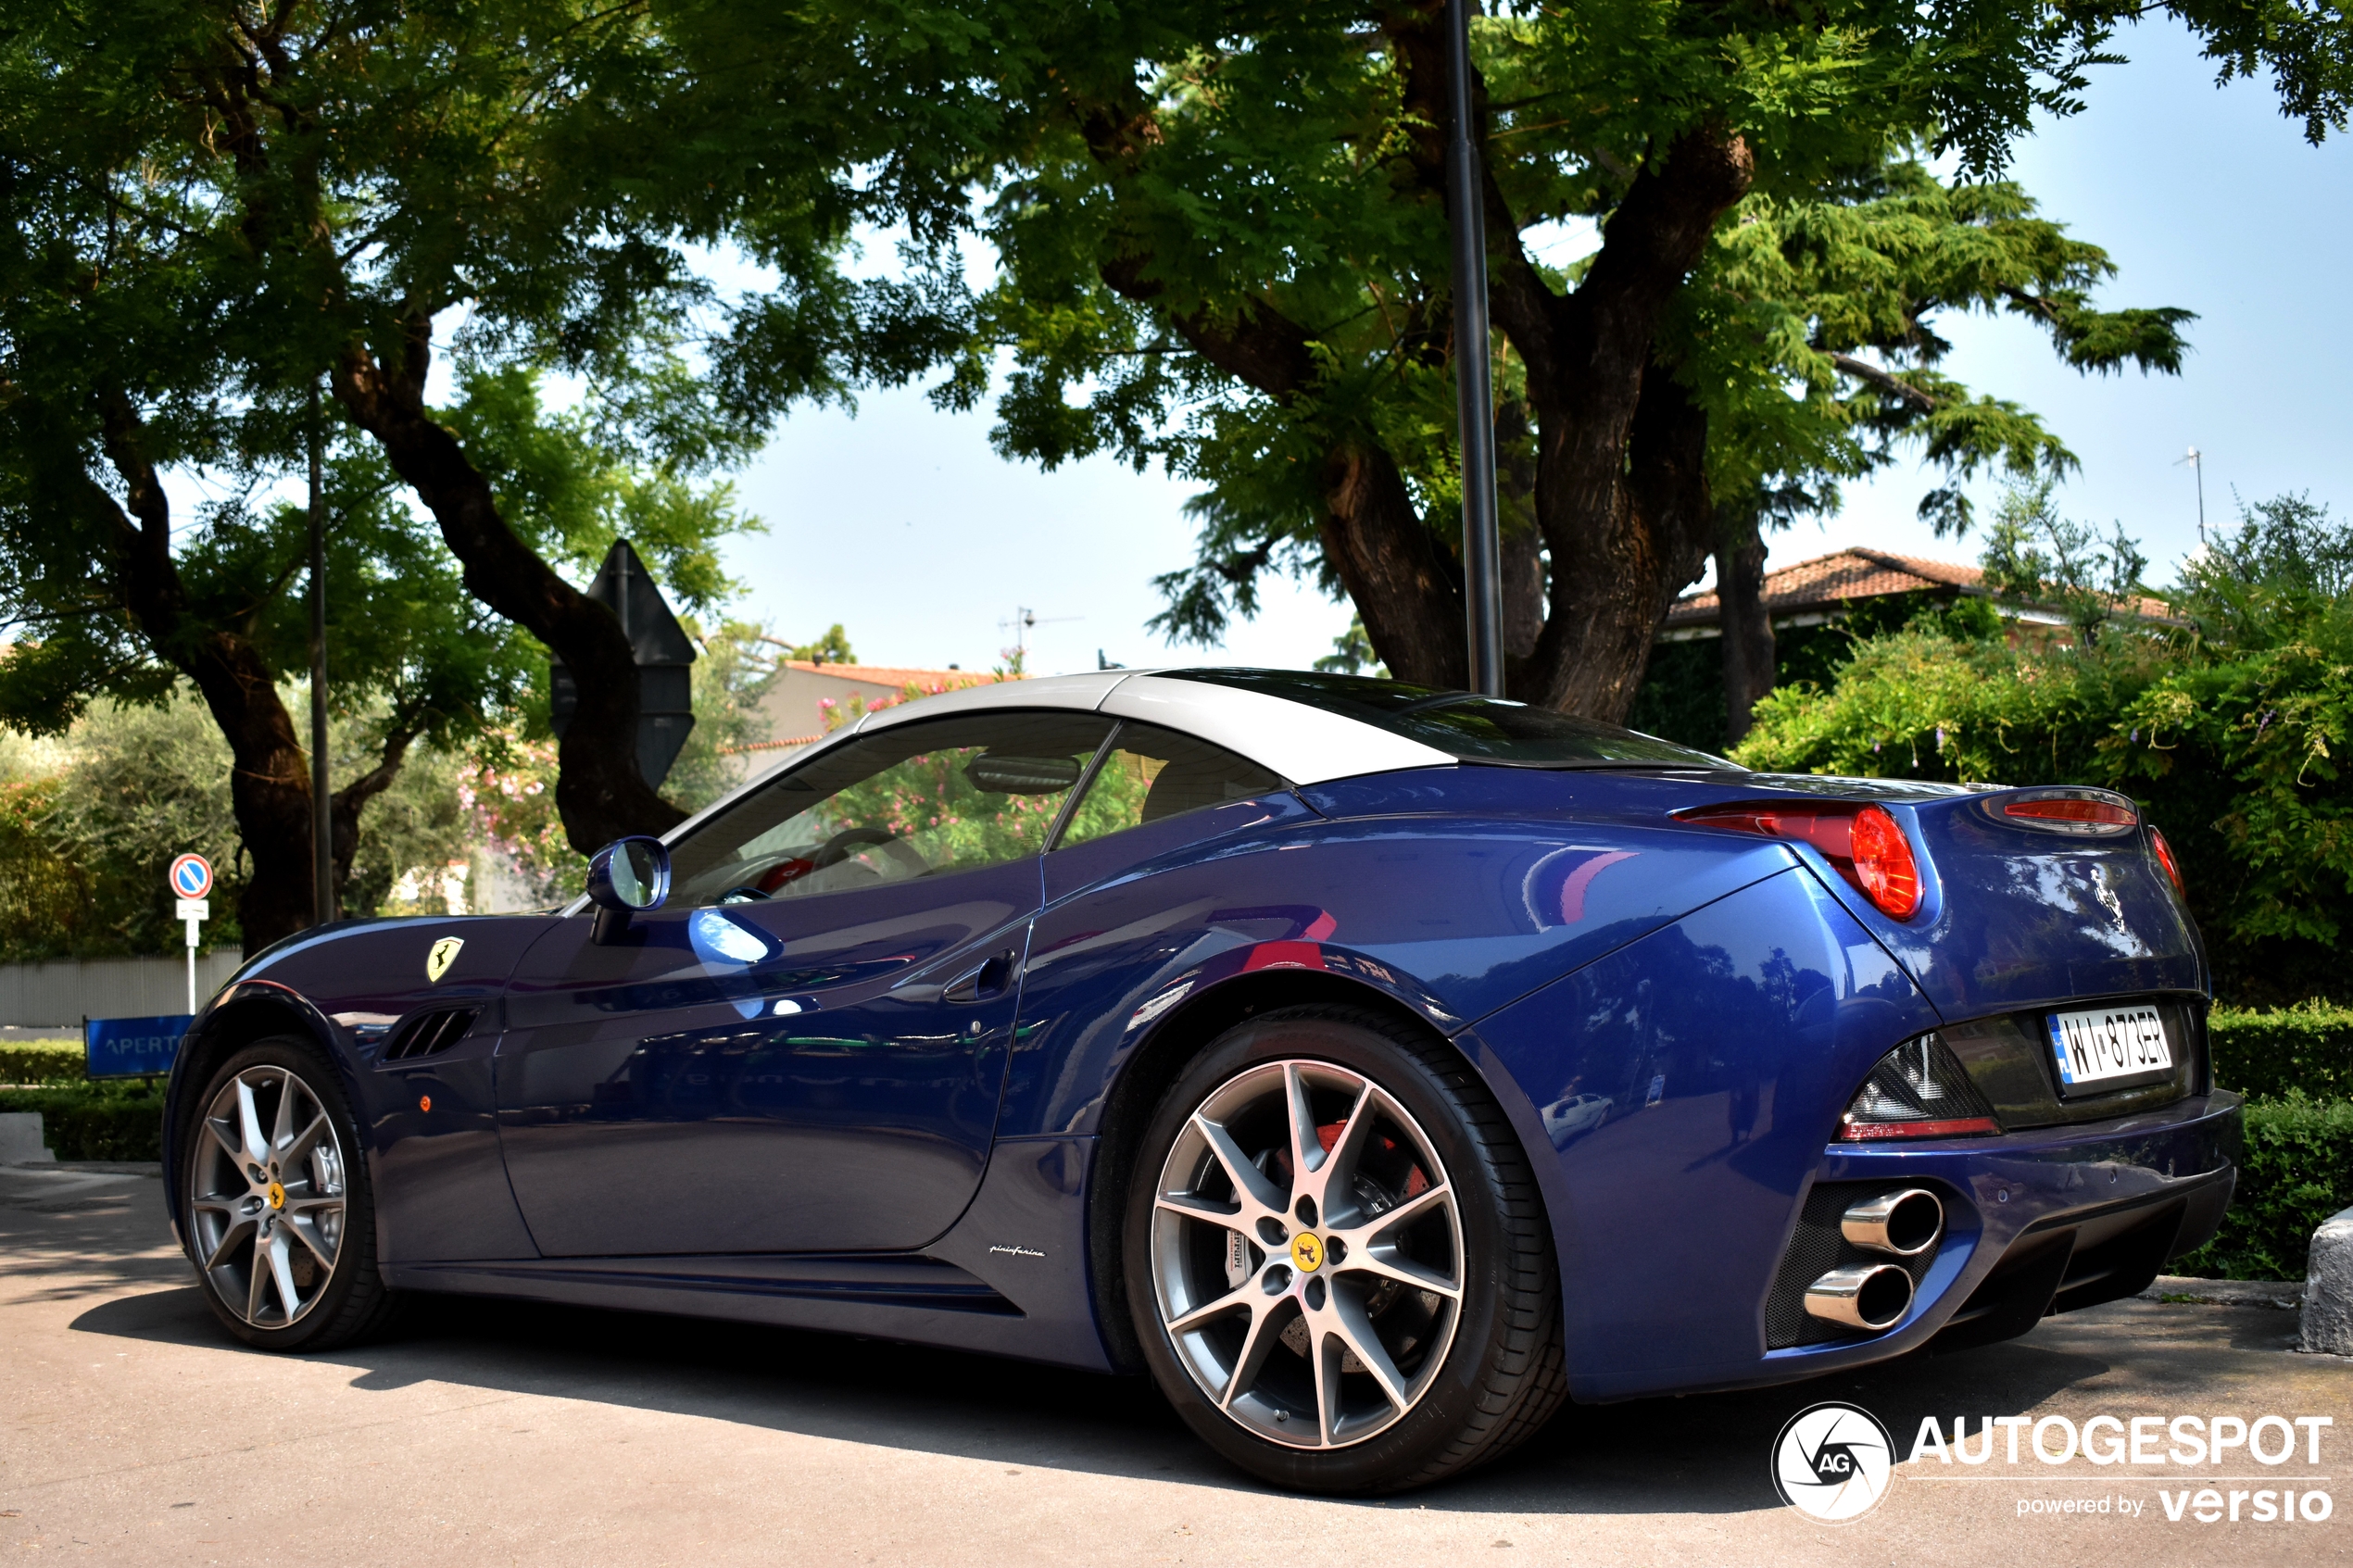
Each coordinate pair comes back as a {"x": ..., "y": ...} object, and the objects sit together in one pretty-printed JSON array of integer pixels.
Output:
[
  {"x": 429, "y": 1033},
  {"x": 1815, "y": 1250}
]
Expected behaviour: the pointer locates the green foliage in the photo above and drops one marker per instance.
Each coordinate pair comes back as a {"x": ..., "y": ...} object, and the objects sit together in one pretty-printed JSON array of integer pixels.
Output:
[
  {"x": 211, "y": 213},
  {"x": 90, "y": 819},
  {"x": 1682, "y": 693},
  {"x": 1352, "y": 653},
  {"x": 1832, "y": 292},
  {"x": 2033, "y": 556},
  {"x": 96, "y": 817},
  {"x": 107, "y": 1119},
  {"x": 831, "y": 648},
  {"x": 1274, "y": 185},
  {"x": 2297, "y": 1170},
  {"x": 2284, "y": 566},
  {"x": 2309, "y": 1047},
  {"x": 42, "y": 1061},
  {"x": 572, "y": 482}
]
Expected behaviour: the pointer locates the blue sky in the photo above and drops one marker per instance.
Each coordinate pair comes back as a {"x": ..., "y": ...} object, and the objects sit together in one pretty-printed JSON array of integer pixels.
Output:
[{"x": 902, "y": 525}]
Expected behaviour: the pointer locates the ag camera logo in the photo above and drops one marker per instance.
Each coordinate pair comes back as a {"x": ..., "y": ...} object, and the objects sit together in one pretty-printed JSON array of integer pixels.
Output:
[{"x": 1833, "y": 1462}]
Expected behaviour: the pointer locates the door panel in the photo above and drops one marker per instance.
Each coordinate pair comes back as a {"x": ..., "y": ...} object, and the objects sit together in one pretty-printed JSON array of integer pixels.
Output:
[{"x": 799, "y": 1075}]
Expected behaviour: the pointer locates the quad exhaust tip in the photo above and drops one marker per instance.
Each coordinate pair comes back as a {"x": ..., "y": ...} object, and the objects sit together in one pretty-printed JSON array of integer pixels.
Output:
[
  {"x": 1904, "y": 1223},
  {"x": 1868, "y": 1295}
]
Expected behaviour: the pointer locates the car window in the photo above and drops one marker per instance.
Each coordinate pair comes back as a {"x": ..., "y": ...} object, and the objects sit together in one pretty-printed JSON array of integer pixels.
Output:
[
  {"x": 912, "y": 801},
  {"x": 1152, "y": 773}
]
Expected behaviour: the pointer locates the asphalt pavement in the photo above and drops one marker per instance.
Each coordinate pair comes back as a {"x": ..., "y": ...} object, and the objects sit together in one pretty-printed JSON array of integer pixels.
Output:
[{"x": 133, "y": 1431}]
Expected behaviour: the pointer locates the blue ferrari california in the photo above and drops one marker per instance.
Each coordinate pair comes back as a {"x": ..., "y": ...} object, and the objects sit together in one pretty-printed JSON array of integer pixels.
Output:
[{"x": 1374, "y": 1067}]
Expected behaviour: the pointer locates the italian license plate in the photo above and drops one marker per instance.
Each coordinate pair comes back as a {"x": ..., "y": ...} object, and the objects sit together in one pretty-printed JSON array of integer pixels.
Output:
[{"x": 2104, "y": 1047}]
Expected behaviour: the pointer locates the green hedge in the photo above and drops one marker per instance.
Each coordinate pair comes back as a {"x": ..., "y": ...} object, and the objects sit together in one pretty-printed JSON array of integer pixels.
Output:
[
  {"x": 2306, "y": 1049},
  {"x": 97, "y": 1120},
  {"x": 2297, "y": 1171},
  {"x": 42, "y": 1061}
]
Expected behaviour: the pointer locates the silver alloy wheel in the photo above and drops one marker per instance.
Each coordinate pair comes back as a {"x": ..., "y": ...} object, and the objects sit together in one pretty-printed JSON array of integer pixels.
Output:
[
  {"x": 1307, "y": 1254},
  {"x": 266, "y": 1197}
]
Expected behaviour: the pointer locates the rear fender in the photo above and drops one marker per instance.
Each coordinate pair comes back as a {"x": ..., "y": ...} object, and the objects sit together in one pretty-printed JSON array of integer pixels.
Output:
[{"x": 1685, "y": 1087}]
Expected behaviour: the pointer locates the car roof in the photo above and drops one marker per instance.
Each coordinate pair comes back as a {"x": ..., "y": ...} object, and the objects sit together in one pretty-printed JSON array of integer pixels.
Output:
[{"x": 1304, "y": 744}]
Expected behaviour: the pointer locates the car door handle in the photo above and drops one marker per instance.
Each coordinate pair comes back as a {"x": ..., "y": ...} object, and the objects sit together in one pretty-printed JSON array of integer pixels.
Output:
[{"x": 984, "y": 982}]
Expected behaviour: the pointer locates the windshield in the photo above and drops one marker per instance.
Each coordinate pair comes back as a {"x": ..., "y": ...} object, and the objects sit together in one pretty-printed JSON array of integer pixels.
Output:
[{"x": 1474, "y": 728}]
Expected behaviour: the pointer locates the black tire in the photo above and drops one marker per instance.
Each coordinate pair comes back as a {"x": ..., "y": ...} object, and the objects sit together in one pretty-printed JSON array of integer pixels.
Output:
[
  {"x": 351, "y": 1302},
  {"x": 1499, "y": 1377}
]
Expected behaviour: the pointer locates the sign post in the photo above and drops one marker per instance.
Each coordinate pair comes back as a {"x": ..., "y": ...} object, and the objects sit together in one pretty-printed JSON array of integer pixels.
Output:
[{"x": 190, "y": 879}]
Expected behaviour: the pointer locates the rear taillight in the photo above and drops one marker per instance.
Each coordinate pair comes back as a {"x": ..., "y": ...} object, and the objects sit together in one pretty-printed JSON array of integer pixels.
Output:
[
  {"x": 2164, "y": 858},
  {"x": 1918, "y": 1090},
  {"x": 1883, "y": 863},
  {"x": 1864, "y": 844},
  {"x": 2105, "y": 813},
  {"x": 2068, "y": 808}
]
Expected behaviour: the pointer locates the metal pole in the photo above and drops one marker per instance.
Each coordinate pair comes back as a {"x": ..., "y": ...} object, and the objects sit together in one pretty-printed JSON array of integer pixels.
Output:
[
  {"x": 2198, "y": 466},
  {"x": 1473, "y": 391},
  {"x": 322, "y": 846}
]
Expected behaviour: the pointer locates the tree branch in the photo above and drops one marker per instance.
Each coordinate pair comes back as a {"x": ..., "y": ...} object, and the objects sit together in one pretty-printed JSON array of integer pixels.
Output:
[{"x": 1886, "y": 381}]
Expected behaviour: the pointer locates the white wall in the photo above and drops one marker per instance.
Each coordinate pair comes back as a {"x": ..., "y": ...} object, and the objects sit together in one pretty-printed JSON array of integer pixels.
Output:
[{"x": 41, "y": 996}]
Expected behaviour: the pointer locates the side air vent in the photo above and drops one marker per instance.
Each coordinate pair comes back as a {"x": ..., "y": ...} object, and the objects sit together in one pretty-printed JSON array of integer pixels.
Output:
[{"x": 429, "y": 1033}]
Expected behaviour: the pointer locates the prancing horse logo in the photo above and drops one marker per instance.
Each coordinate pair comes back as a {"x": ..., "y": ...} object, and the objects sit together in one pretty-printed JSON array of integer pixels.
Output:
[{"x": 444, "y": 954}]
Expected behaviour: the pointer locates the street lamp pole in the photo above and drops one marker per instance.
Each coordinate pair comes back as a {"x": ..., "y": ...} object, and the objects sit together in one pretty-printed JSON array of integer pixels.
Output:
[
  {"x": 322, "y": 846},
  {"x": 1474, "y": 390}
]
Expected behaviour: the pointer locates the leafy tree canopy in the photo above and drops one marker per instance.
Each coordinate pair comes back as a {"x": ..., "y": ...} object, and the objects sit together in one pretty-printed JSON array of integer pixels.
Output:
[
  {"x": 1224, "y": 249},
  {"x": 214, "y": 208}
]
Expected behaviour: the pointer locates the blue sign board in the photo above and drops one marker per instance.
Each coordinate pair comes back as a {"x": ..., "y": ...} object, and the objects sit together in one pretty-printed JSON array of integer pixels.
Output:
[{"x": 131, "y": 1047}]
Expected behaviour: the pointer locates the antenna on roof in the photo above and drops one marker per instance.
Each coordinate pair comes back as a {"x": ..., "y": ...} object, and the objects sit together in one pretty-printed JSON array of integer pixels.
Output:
[
  {"x": 1023, "y": 619},
  {"x": 2196, "y": 461}
]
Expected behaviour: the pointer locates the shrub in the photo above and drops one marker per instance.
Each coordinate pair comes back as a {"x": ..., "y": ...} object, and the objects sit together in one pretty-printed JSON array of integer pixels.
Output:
[
  {"x": 100, "y": 1120},
  {"x": 2297, "y": 1170},
  {"x": 2267, "y": 1054},
  {"x": 42, "y": 1061}
]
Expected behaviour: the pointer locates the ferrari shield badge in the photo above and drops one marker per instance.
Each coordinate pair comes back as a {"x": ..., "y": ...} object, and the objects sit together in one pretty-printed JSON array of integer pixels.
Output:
[{"x": 444, "y": 954}]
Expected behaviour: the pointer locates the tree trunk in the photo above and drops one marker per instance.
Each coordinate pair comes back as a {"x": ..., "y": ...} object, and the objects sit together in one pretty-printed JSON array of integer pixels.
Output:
[
  {"x": 1522, "y": 537},
  {"x": 1621, "y": 491},
  {"x": 1621, "y": 478},
  {"x": 345, "y": 805},
  {"x": 599, "y": 792},
  {"x": 1747, "y": 626},
  {"x": 270, "y": 777}
]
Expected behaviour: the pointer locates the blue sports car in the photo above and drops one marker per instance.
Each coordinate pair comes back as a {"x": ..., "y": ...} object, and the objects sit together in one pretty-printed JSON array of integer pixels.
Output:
[{"x": 1376, "y": 1067}]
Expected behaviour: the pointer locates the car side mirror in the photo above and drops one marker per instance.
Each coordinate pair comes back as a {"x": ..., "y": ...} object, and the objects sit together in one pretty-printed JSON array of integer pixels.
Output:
[{"x": 626, "y": 876}]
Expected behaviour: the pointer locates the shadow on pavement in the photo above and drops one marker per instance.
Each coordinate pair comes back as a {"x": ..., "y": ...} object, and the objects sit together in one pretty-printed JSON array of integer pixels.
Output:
[
  {"x": 1702, "y": 1454},
  {"x": 68, "y": 1234}
]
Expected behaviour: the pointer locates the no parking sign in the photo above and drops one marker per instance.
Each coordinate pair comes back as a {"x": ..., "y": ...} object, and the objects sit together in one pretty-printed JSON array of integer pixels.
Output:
[{"x": 191, "y": 876}]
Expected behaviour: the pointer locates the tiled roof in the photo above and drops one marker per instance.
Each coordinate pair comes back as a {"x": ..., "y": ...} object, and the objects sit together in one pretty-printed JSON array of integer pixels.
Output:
[
  {"x": 1827, "y": 583},
  {"x": 897, "y": 679},
  {"x": 1831, "y": 582},
  {"x": 788, "y": 743}
]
